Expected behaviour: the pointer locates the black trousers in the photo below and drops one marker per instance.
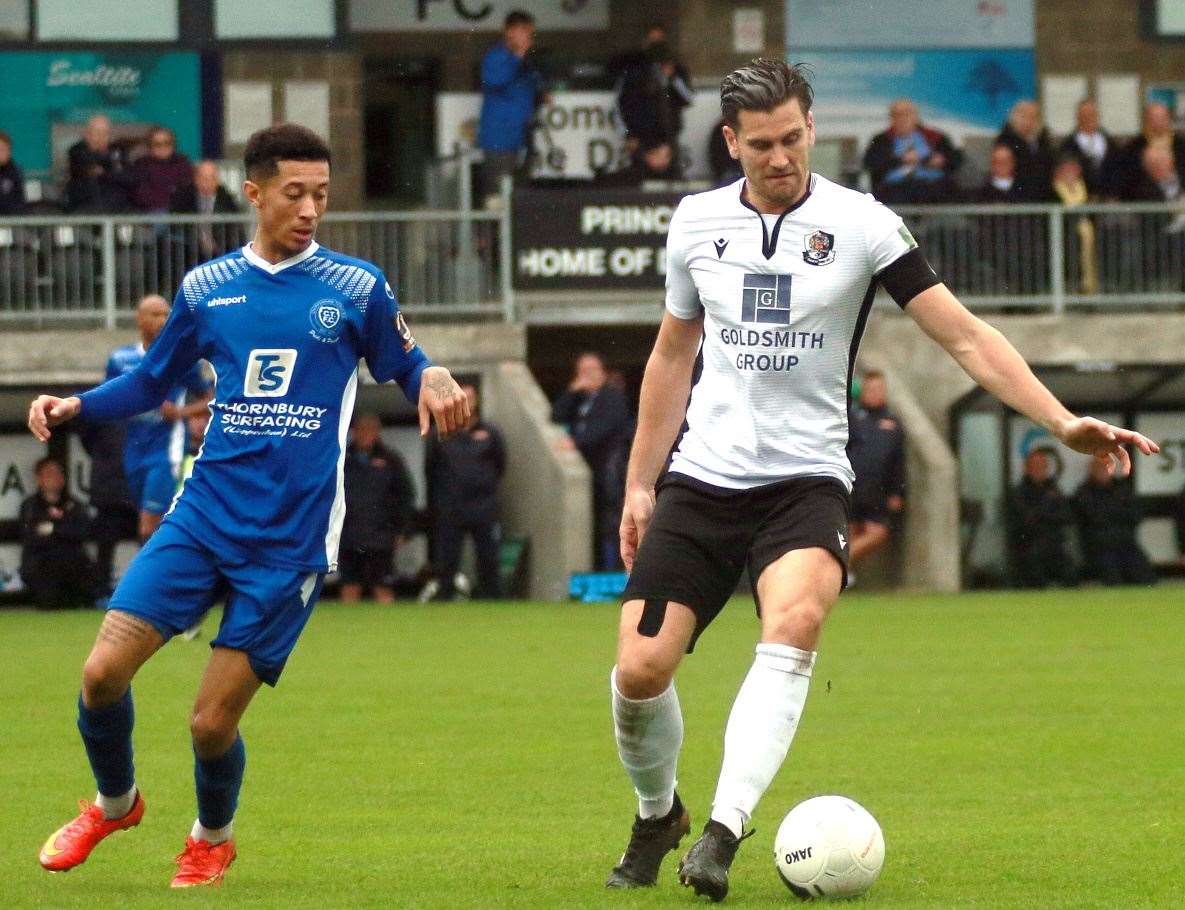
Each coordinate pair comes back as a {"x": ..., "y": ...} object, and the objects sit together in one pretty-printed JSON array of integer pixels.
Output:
[
  {"x": 60, "y": 582},
  {"x": 450, "y": 538}
]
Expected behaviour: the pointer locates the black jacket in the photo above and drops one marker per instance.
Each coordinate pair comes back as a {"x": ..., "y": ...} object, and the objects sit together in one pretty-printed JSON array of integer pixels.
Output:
[
  {"x": 464, "y": 472},
  {"x": 52, "y": 532},
  {"x": 379, "y": 498},
  {"x": 876, "y": 449},
  {"x": 104, "y": 442},
  {"x": 1097, "y": 176},
  {"x": 103, "y": 191},
  {"x": 12, "y": 189},
  {"x": 1106, "y": 515},
  {"x": 600, "y": 425},
  {"x": 1038, "y": 514},
  {"x": 1034, "y": 166},
  {"x": 1128, "y": 169}
]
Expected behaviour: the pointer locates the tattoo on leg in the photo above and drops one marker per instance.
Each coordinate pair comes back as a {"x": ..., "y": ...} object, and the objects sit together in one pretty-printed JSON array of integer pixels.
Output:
[{"x": 123, "y": 628}]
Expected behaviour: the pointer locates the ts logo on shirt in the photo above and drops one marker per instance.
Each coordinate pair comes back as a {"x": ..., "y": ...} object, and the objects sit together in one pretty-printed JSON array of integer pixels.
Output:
[{"x": 269, "y": 372}]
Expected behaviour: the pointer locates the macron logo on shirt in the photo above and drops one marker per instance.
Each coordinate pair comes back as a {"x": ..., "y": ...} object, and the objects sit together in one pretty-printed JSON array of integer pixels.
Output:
[{"x": 226, "y": 301}]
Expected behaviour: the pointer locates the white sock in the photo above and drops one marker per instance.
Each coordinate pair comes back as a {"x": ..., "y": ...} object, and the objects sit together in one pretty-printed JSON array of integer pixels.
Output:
[
  {"x": 116, "y": 806},
  {"x": 760, "y": 728},
  {"x": 649, "y": 734},
  {"x": 212, "y": 835}
]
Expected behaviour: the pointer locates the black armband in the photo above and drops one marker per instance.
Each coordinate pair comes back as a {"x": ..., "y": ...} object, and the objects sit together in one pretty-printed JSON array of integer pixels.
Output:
[{"x": 907, "y": 276}]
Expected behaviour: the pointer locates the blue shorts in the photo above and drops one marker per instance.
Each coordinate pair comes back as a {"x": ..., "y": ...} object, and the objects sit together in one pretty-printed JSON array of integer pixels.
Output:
[
  {"x": 152, "y": 486},
  {"x": 174, "y": 580}
]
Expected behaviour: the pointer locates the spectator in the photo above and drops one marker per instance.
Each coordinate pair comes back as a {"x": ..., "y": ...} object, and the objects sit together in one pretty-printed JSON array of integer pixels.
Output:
[
  {"x": 651, "y": 97},
  {"x": 1158, "y": 179},
  {"x": 1156, "y": 132},
  {"x": 54, "y": 525},
  {"x": 1029, "y": 140},
  {"x": 1000, "y": 185},
  {"x": 598, "y": 423},
  {"x": 1108, "y": 516},
  {"x": 379, "y": 504},
  {"x": 12, "y": 181},
  {"x": 1092, "y": 147},
  {"x": 1158, "y": 247},
  {"x": 655, "y": 160},
  {"x": 1038, "y": 516},
  {"x": 98, "y": 178},
  {"x": 1069, "y": 186},
  {"x": 205, "y": 195},
  {"x": 725, "y": 168},
  {"x": 115, "y": 515},
  {"x": 910, "y": 163},
  {"x": 510, "y": 86},
  {"x": 876, "y": 449},
  {"x": 156, "y": 176},
  {"x": 464, "y": 472}
]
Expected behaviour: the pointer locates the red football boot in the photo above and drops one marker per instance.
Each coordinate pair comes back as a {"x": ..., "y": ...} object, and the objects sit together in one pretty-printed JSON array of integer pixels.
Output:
[
  {"x": 203, "y": 863},
  {"x": 71, "y": 844}
]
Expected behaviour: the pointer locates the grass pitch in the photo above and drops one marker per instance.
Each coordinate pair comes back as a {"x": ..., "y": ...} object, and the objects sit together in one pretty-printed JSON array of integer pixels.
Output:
[{"x": 1019, "y": 750}]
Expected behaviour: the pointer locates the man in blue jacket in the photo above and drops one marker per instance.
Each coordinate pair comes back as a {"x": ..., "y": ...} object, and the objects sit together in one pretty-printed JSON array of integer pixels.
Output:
[{"x": 510, "y": 85}]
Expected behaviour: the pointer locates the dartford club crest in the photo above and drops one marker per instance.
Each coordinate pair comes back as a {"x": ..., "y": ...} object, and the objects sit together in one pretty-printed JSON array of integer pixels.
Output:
[
  {"x": 818, "y": 248},
  {"x": 326, "y": 320}
]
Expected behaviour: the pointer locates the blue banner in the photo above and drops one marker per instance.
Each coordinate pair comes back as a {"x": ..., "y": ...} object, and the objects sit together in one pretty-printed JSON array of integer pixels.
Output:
[
  {"x": 47, "y": 96},
  {"x": 909, "y": 23}
]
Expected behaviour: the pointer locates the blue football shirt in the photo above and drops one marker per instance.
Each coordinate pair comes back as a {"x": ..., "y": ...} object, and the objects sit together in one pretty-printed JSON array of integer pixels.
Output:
[
  {"x": 284, "y": 340},
  {"x": 151, "y": 439}
]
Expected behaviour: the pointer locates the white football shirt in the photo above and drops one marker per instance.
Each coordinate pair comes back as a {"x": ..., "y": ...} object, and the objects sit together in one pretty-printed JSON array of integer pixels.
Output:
[{"x": 784, "y": 300}]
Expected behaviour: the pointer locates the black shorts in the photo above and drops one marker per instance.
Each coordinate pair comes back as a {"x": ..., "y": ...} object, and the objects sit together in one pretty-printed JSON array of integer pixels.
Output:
[
  {"x": 366, "y": 567},
  {"x": 702, "y": 537}
]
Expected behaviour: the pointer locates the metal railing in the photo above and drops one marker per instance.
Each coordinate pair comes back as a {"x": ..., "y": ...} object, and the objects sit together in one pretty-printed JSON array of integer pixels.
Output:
[
  {"x": 1054, "y": 257},
  {"x": 95, "y": 268}
]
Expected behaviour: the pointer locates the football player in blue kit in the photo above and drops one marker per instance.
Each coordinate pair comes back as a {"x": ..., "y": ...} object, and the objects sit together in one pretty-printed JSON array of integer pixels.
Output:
[{"x": 284, "y": 323}]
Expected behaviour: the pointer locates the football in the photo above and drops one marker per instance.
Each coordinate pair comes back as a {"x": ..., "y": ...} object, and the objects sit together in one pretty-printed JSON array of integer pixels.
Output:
[{"x": 829, "y": 846}]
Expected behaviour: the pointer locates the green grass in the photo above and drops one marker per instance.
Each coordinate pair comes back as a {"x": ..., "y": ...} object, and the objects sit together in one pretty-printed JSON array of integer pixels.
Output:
[{"x": 1019, "y": 750}]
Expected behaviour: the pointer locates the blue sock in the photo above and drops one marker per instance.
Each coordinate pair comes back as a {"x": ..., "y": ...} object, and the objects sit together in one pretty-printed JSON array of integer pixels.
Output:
[
  {"x": 107, "y": 735},
  {"x": 218, "y": 781}
]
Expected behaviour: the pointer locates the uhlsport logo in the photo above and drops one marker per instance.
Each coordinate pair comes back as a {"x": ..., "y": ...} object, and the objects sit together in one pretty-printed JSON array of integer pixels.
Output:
[
  {"x": 269, "y": 372},
  {"x": 818, "y": 248},
  {"x": 226, "y": 301},
  {"x": 327, "y": 321},
  {"x": 765, "y": 299}
]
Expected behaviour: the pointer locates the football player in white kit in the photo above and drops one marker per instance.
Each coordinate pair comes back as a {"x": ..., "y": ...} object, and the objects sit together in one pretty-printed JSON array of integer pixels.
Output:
[{"x": 769, "y": 284}]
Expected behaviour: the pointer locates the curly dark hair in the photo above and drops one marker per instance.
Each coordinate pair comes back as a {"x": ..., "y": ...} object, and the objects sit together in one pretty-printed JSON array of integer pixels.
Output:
[{"x": 282, "y": 142}]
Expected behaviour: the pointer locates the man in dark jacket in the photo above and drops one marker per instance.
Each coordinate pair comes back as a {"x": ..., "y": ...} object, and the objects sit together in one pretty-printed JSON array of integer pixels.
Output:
[
  {"x": 909, "y": 162},
  {"x": 156, "y": 176},
  {"x": 1156, "y": 131},
  {"x": 54, "y": 525},
  {"x": 116, "y": 517},
  {"x": 651, "y": 98},
  {"x": 1038, "y": 516},
  {"x": 98, "y": 176},
  {"x": 463, "y": 476},
  {"x": 1094, "y": 149},
  {"x": 206, "y": 195},
  {"x": 876, "y": 449},
  {"x": 12, "y": 181},
  {"x": 1108, "y": 516},
  {"x": 598, "y": 421},
  {"x": 1026, "y": 135},
  {"x": 379, "y": 503}
]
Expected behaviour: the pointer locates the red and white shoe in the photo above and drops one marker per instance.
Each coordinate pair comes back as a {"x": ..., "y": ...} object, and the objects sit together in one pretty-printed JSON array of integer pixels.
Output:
[
  {"x": 203, "y": 863},
  {"x": 72, "y": 843}
]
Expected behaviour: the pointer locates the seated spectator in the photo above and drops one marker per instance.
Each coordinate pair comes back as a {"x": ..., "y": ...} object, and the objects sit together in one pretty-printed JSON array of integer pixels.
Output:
[
  {"x": 1069, "y": 185},
  {"x": 464, "y": 472},
  {"x": 1108, "y": 517},
  {"x": 1158, "y": 179},
  {"x": 206, "y": 195},
  {"x": 1158, "y": 248},
  {"x": 1156, "y": 132},
  {"x": 1038, "y": 516},
  {"x": 1029, "y": 140},
  {"x": 379, "y": 504},
  {"x": 598, "y": 422},
  {"x": 98, "y": 177},
  {"x": 1092, "y": 147},
  {"x": 1000, "y": 185},
  {"x": 910, "y": 162},
  {"x": 12, "y": 180},
  {"x": 655, "y": 160},
  {"x": 876, "y": 448},
  {"x": 54, "y": 526},
  {"x": 156, "y": 176}
]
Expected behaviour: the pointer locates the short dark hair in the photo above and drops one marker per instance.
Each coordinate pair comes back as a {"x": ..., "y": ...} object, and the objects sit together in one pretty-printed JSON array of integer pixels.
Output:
[
  {"x": 42, "y": 463},
  {"x": 517, "y": 17},
  {"x": 762, "y": 85},
  {"x": 282, "y": 142}
]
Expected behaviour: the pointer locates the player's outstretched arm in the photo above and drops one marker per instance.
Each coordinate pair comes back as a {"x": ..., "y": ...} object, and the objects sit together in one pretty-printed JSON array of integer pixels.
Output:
[
  {"x": 661, "y": 409},
  {"x": 49, "y": 411},
  {"x": 442, "y": 400},
  {"x": 989, "y": 359}
]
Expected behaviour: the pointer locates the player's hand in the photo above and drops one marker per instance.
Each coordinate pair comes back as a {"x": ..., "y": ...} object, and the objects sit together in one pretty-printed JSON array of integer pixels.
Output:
[
  {"x": 442, "y": 400},
  {"x": 48, "y": 411},
  {"x": 635, "y": 519},
  {"x": 1105, "y": 442}
]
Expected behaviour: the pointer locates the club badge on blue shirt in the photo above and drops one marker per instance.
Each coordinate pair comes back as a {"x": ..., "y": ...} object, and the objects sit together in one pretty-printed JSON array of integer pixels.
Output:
[{"x": 327, "y": 320}]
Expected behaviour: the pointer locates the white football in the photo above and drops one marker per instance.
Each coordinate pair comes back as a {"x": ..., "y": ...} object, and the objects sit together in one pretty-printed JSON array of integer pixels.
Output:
[{"x": 829, "y": 846}]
